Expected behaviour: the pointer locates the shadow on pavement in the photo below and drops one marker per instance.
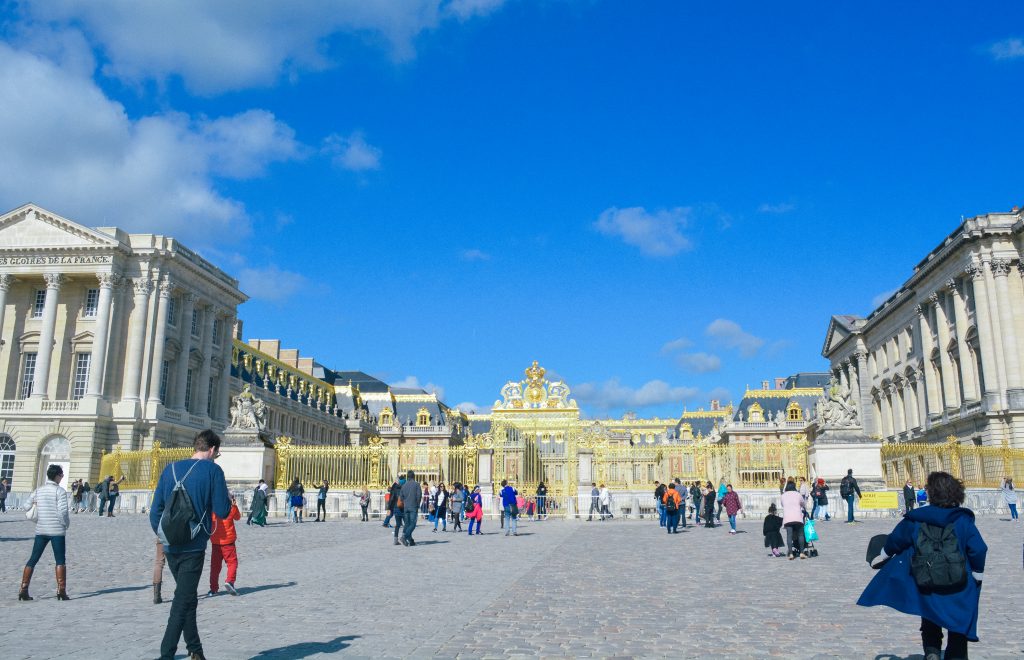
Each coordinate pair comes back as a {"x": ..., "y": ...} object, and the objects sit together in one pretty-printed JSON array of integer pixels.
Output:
[
  {"x": 18, "y": 538},
  {"x": 264, "y": 587},
  {"x": 305, "y": 649},
  {"x": 430, "y": 542},
  {"x": 893, "y": 656},
  {"x": 112, "y": 590}
]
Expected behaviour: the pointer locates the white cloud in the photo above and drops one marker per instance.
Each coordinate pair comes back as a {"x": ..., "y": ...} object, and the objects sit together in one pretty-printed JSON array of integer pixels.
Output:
[
  {"x": 882, "y": 297},
  {"x": 1007, "y": 49},
  {"x": 270, "y": 283},
  {"x": 657, "y": 234},
  {"x": 412, "y": 382},
  {"x": 700, "y": 363},
  {"x": 470, "y": 407},
  {"x": 352, "y": 152},
  {"x": 776, "y": 209},
  {"x": 676, "y": 345},
  {"x": 731, "y": 335},
  {"x": 73, "y": 150},
  {"x": 611, "y": 394},
  {"x": 474, "y": 254},
  {"x": 238, "y": 44}
]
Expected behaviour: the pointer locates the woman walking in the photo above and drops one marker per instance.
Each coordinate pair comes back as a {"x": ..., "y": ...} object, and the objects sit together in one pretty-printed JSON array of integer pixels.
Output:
[
  {"x": 259, "y": 506},
  {"x": 441, "y": 507},
  {"x": 732, "y": 506},
  {"x": 820, "y": 497},
  {"x": 793, "y": 514},
  {"x": 475, "y": 510},
  {"x": 1010, "y": 497},
  {"x": 458, "y": 505},
  {"x": 52, "y": 521},
  {"x": 294, "y": 494}
]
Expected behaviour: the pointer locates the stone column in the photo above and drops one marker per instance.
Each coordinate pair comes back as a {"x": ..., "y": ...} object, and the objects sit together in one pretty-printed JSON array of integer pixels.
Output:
[
  {"x": 157, "y": 365},
  {"x": 931, "y": 391},
  {"x": 949, "y": 382},
  {"x": 98, "y": 360},
  {"x": 909, "y": 405},
  {"x": 5, "y": 284},
  {"x": 136, "y": 340},
  {"x": 188, "y": 302},
  {"x": 41, "y": 381},
  {"x": 206, "y": 334},
  {"x": 986, "y": 344},
  {"x": 866, "y": 407},
  {"x": 220, "y": 410},
  {"x": 971, "y": 389},
  {"x": 1011, "y": 359}
]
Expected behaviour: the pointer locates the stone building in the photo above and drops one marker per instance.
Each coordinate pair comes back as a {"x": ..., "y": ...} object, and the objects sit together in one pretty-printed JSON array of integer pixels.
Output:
[
  {"x": 107, "y": 339},
  {"x": 942, "y": 356}
]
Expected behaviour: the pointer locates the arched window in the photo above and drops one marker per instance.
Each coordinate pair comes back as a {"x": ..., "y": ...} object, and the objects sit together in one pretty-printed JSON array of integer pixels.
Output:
[
  {"x": 387, "y": 418},
  {"x": 793, "y": 412},
  {"x": 56, "y": 451},
  {"x": 7, "y": 448},
  {"x": 423, "y": 417}
]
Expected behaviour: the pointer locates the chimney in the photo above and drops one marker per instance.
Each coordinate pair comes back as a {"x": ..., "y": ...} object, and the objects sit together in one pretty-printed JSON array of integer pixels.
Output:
[
  {"x": 715, "y": 405},
  {"x": 780, "y": 383},
  {"x": 765, "y": 385}
]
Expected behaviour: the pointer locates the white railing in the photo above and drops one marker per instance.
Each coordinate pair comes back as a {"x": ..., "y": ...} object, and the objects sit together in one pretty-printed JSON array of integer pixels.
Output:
[
  {"x": 412, "y": 428},
  {"x": 196, "y": 420},
  {"x": 12, "y": 405},
  {"x": 60, "y": 406}
]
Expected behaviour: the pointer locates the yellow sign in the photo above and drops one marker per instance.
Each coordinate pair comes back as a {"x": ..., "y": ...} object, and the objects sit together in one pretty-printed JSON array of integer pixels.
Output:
[{"x": 879, "y": 500}]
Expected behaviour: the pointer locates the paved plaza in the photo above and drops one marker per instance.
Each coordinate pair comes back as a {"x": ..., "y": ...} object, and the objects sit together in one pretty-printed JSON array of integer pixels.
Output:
[{"x": 561, "y": 588}]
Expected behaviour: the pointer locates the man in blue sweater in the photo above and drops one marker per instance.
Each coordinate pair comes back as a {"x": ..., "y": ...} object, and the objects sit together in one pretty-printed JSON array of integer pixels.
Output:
[{"x": 204, "y": 482}]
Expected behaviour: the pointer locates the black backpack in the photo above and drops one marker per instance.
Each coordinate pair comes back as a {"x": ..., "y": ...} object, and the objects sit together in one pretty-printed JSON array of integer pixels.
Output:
[
  {"x": 670, "y": 505},
  {"x": 938, "y": 562},
  {"x": 178, "y": 524},
  {"x": 844, "y": 488}
]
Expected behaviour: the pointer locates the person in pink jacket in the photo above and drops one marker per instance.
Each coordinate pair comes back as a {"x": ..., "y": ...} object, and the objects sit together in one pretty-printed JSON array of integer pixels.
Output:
[
  {"x": 793, "y": 514},
  {"x": 475, "y": 510}
]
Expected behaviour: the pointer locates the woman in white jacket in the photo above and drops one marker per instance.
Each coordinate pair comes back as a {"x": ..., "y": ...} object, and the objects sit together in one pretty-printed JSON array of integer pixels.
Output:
[{"x": 51, "y": 502}]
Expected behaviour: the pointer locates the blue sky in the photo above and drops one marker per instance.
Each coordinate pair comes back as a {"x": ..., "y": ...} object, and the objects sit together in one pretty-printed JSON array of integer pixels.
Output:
[{"x": 661, "y": 202}]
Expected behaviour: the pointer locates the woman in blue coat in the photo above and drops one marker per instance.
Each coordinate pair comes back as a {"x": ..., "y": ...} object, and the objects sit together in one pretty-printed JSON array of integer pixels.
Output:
[{"x": 895, "y": 587}]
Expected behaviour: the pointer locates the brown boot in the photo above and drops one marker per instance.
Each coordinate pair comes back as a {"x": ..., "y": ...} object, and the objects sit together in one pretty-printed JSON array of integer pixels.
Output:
[
  {"x": 62, "y": 583},
  {"x": 26, "y": 577}
]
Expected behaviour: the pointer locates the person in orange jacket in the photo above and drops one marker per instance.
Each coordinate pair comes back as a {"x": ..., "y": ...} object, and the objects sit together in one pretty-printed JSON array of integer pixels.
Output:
[
  {"x": 222, "y": 542},
  {"x": 673, "y": 502}
]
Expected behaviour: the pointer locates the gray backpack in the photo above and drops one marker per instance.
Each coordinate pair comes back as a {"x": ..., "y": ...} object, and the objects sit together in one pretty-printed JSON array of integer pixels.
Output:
[{"x": 938, "y": 563}]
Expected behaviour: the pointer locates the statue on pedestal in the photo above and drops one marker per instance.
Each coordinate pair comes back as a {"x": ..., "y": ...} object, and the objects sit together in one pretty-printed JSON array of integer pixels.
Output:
[
  {"x": 248, "y": 411},
  {"x": 838, "y": 408}
]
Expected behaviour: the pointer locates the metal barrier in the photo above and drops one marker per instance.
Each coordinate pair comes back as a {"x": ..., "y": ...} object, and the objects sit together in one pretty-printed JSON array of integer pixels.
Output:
[
  {"x": 141, "y": 468},
  {"x": 977, "y": 466}
]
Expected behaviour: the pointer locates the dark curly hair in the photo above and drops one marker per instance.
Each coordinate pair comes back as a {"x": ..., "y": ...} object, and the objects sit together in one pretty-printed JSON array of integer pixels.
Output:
[{"x": 944, "y": 490}]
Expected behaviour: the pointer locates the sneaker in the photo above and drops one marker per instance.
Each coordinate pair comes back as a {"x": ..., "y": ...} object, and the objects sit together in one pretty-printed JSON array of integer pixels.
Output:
[
  {"x": 211, "y": 594},
  {"x": 803, "y": 555},
  {"x": 732, "y": 531},
  {"x": 397, "y": 542},
  {"x": 515, "y": 534},
  {"x": 231, "y": 588},
  {"x": 412, "y": 542},
  {"x": 507, "y": 533}
]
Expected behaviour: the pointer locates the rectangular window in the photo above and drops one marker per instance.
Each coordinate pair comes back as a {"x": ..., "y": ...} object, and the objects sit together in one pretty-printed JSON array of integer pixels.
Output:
[
  {"x": 28, "y": 374},
  {"x": 195, "y": 322},
  {"x": 81, "y": 382},
  {"x": 92, "y": 303},
  {"x": 39, "y": 304},
  {"x": 209, "y": 399},
  {"x": 165, "y": 374},
  {"x": 216, "y": 332},
  {"x": 172, "y": 311},
  {"x": 188, "y": 390}
]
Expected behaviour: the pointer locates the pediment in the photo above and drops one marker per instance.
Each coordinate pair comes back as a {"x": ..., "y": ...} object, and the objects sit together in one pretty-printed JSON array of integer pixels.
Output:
[
  {"x": 31, "y": 227},
  {"x": 839, "y": 330}
]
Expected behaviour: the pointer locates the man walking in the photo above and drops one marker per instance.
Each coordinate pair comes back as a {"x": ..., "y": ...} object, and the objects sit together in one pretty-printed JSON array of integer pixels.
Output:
[
  {"x": 909, "y": 497},
  {"x": 411, "y": 496},
  {"x": 659, "y": 496},
  {"x": 595, "y": 496},
  {"x": 390, "y": 501},
  {"x": 683, "y": 494},
  {"x": 847, "y": 489},
  {"x": 203, "y": 481}
]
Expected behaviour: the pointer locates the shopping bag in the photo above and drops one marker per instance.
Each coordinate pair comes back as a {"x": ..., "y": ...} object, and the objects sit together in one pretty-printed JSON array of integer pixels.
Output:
[{"x": 810, "y": 531}]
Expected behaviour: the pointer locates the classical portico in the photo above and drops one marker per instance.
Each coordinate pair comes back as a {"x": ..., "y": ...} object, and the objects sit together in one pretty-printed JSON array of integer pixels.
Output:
[{"x": 92, "y": 326}]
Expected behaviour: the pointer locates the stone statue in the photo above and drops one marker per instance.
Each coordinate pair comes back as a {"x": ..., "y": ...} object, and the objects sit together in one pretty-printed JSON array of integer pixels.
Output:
[
  {"x": 248, "y": 411},
  {"x": 838, "y": 408}
]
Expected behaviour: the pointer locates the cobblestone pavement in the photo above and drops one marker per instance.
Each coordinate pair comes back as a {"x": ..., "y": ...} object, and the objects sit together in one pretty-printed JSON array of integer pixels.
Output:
[{"x": 559, "y": 589}]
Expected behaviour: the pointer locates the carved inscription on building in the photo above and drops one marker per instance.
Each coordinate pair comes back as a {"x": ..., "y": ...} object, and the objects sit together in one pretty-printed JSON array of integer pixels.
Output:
[{"x": 69, "y": 260}]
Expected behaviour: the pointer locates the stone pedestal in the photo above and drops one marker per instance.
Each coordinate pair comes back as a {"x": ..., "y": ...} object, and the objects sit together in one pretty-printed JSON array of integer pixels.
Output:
[
  {"x": 246, "y": 456},
  {"x": 834, "y": 450}
]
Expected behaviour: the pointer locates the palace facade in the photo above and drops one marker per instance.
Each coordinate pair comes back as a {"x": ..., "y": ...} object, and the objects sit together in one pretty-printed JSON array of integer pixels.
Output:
[{"x": 941, "y": 358}]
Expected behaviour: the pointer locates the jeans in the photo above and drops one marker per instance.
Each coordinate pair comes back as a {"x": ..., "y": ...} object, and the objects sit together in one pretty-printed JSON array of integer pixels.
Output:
[
  {"x": 814, "y": 511},
  {"x": 849, "y": 507},
  {"x": 732, "y": 522},
  {"x": 187, "y": 568},
  {"x": 931, "y": 637},
  {"x": 593, "y": 507},
  {"x": 662, "y": 515},
  {"x": 795, "y": 537},
  {"x": 441, "y": 517},
  {"x": 399, "y": 519},
  {"x": 719, "y": 514},
  {"x": 3, "y": 505},
  {"x": 410, "y": 524},
  {"x": 321, "y": 505},
  {"x": 673, "y": 522},
  {"x": 474, "y": 520},
  {"x": 366, "y": 516},
  {"x": 291, "y": 511},
  {"x": 1013, "y": 511},
  {"x": 158, "y": 563},
  {"x": 387, "y": 518},
  {"x": 111, "y": 501},
  {"x": 605, "y": 512},
  {"x": 103, "y": 502},
  {"x": 56, "y": 542},
  {"x": 513, "y": 522},
  {"x": 542, "y": 505}
]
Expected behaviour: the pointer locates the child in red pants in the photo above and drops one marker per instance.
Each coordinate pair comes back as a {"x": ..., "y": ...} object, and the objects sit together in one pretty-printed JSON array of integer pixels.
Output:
[{"x": 223, "y": 543}]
